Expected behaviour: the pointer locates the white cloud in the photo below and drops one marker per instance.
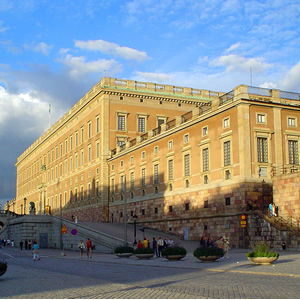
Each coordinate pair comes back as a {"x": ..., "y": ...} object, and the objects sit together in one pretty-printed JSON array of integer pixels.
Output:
[
  {"x": 41, "y": 47},
  {"x": 239, "y": 63},
  {"x": 153, "y": 77},
  {"x": 233, "y": 47},
  {"x": 291, "y": 81},
  {"x": 26, "y": 112},
  {"x": 79, "y": 67},
  {"x": 112, "y": 49}
]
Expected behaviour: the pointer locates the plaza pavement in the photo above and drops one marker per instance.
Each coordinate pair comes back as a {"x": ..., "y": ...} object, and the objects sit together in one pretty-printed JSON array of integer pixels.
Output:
[{"x": 156, "y": 278}]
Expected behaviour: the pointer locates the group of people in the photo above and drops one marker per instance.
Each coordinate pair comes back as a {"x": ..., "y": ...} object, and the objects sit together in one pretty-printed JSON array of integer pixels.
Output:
[
  {"x": 273, "y": 210},
  {"x": 156, "y": 245},
  {"x": 27, "y": 244},
  {"x": 8, "y": 243},
  {"x": 222, "y": 242},
  {"x": 88, "y": 245}
]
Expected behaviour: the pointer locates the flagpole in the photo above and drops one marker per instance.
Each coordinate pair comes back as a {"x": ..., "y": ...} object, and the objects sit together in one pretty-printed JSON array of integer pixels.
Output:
[{"x": 49, "y": 113}]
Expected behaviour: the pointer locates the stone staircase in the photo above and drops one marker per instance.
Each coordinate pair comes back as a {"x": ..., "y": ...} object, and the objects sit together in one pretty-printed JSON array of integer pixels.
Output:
[{"x": 280, "y": 229}]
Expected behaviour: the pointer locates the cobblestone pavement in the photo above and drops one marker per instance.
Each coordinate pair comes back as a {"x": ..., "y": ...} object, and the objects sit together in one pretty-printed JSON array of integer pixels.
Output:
[{"x": 58, "y": 276}]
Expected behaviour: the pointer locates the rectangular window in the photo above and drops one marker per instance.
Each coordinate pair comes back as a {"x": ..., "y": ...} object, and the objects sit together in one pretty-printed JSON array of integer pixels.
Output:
[
  {"x": 226, "y": 123},
  {"x": 293, "y": 153},
  {"x": 155, "y": 149},
  {"x": 76, "y": 138},
  {"x": 187, "y": 206},
  {"x": 171, "y": 169},
  {"x": 71, "y": 164},
  {"x": 132, "y": 180},
  {"x": 71, "y": 142},
  {"x": 261, "y": 118},
  {"x": 205, "y": 203},
  {"x": 76, "y": 160},
  {"x": 90, "y": 129},
  {"x": 204, "y": 131},
  {"x": 227, "y": 155},
  {"x": 292, "y": 122},
  {"x": 89, "y": 153},
  {"x": 97, "y": 149},
  {"x": 66, "y": 146},
  {"x": 97, "y": 124},
  {"x": 156, "y": 179},
  {"x": 143, "y": 177},
  {"x": 170, "y": 144},
  {"x": 81, "y": 157},
  {"x": 141, "y": 124},
  {"x": 170, "y": 208},
  {"x": 262, "y": 149},
  {"x": 122, "y": 179},
  {"x": 121, "y": 122},
  {"x": 82, "y": 134},
  {"x": 186, "y": 138},
  {"x": 89, "y": 190},
  {"x": 205, "y": 159},
  {"x": 227, "y": 201},
  {"x": 187, "y": 165}
]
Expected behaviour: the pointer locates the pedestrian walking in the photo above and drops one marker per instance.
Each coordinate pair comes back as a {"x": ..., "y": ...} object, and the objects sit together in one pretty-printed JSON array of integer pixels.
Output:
[
  {"x": 81, "y": 248},
  {"x": 226, "y": 244},
  {"x": 36, "y": 251},
  {"x": 154, "y": 246},
  {"x": 21, "y": 245},
  {"x": 160, "y": 244},
  {"x": 29, "y": 245},
  {"x": 26, "y": 244},
  {"x": 89, "y": 248}
]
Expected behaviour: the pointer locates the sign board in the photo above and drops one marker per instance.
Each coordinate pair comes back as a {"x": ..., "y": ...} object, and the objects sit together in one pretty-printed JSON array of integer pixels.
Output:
[
  {"x": 243, "y": 217},
  {"x": 74, "y": 231},
  {"x": 243, "y": 221},
  {"x": 64, "y": 229}
]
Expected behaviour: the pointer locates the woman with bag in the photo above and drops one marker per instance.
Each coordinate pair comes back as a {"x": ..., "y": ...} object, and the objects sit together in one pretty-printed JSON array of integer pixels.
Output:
[{"x": 36, "y": 251}]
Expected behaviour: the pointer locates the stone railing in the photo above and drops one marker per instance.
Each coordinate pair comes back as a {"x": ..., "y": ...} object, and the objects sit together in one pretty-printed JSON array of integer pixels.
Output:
[
  {"x": 163, "y": 128},
  {"x": 285, "y": 169}
]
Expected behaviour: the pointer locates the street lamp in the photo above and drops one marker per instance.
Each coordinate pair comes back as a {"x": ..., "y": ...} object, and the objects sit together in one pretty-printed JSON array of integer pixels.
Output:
[
  {"x": 24, "y": 205},
  {"x": 134, "y": 223}
]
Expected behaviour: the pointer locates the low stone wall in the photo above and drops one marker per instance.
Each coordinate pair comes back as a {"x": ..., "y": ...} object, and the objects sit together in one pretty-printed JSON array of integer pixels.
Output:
[{"x": 46, "y": 230}]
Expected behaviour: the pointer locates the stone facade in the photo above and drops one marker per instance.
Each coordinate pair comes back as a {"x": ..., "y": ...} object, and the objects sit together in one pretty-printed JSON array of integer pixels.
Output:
[{"x": 185, "y": 160}]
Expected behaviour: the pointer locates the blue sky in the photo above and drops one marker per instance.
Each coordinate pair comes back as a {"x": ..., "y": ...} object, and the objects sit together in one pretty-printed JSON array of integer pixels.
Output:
[{"x": 55, "y": 51}]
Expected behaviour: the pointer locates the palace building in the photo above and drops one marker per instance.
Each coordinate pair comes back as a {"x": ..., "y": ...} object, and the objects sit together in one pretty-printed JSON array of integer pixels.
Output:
[{"x": 183, "y": 160}]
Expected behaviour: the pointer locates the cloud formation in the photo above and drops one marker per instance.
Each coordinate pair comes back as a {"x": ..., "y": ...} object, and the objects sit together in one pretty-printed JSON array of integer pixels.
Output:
[
  {"x": 112, "y": 49},
  {"x": 79, "y": 67},
  {"x": 41, "y": 48},
  {"x": 234, "y": 62}
]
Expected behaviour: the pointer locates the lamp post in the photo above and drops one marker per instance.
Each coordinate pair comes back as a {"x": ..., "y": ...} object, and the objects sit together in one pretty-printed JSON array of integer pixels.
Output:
[
  {"x": 134, "y": 223},
  {"x": 24, "y": 205},
  {"x": 125, "y": 212}
]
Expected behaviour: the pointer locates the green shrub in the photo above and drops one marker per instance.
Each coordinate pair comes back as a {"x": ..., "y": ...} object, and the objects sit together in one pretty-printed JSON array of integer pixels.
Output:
[
  {"x": 123, "y": 249},
  {"x": 143, "y": 251},
  {"x": 3, "y": 266},
  {"x": 261, "y": 249},
  {"x": 173, "y": 251},
  {"x": 208, "y": 251}
]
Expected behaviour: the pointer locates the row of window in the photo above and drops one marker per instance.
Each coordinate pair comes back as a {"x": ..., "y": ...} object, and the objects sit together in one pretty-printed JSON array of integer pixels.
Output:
[{"x": 261, "y": 118}]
